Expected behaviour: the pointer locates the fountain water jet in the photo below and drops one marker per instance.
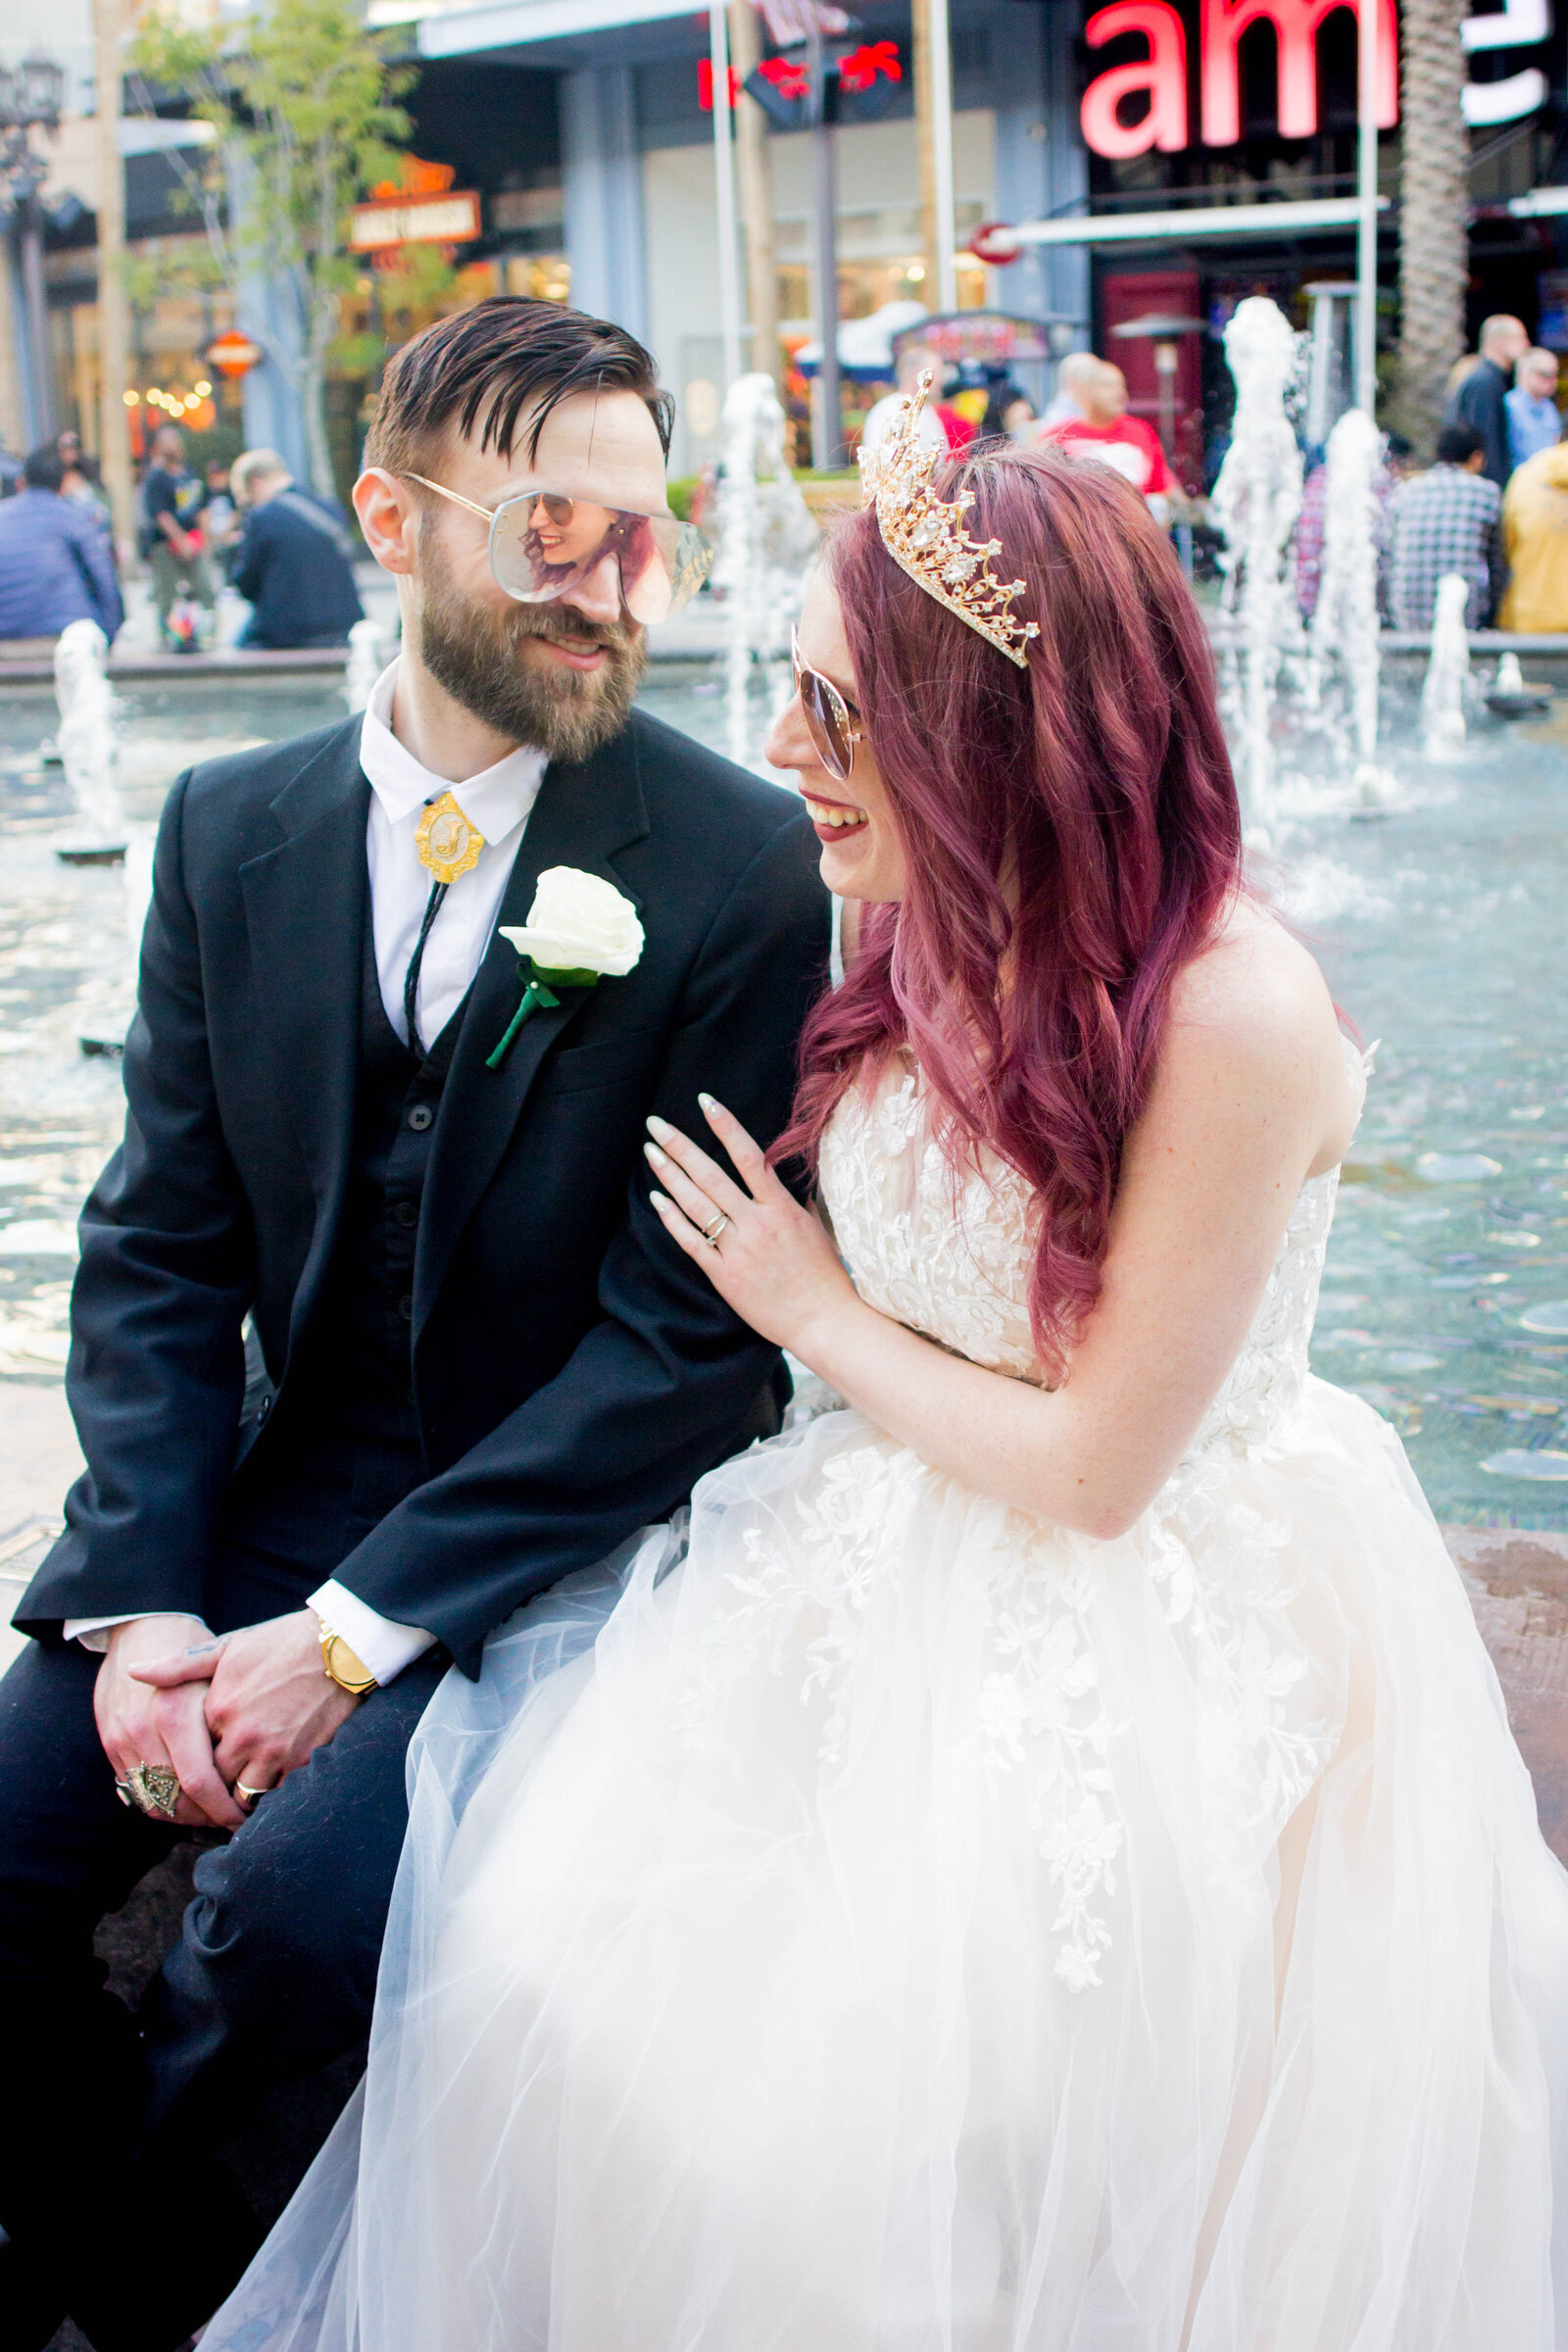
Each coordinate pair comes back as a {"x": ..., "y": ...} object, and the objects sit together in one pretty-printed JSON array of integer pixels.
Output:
[
  {"x": 1255, "y": 503},
  {"x": 86, "y": 744},
  {"x": 1442, "y": 696},
  {"x": 367, "y": 658},
  {"x": 1344, "y": 635},
  {"x": 767, "y": 540}
]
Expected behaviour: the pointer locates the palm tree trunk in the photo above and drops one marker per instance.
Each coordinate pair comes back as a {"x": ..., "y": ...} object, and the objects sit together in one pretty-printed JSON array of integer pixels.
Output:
[{"x": 1434, "y": 206}]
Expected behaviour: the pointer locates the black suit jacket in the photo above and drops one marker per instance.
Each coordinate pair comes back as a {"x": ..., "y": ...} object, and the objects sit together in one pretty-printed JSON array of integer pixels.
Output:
[
  {"x": 573, "y": 1371},
  {"x": 1482, "y": 402}
]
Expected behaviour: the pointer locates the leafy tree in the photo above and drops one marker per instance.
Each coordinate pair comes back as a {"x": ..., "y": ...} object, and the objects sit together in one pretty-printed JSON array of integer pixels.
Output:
[{"x": 302, "y": 106}]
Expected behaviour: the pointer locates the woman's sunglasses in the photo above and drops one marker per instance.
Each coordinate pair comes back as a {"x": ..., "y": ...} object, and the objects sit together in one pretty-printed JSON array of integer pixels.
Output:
[
  {"x": 828, "y": 715},
  {"x": 544, "y": 543}
]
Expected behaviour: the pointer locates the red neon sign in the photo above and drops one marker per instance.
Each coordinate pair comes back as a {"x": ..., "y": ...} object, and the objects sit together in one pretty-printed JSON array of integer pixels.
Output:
[
  {"x": 860, "y": 68},
  {"x": 791, "y": 80},
  {"x": 705, "y": 85},
  {"x": 1162, "y": 76}
]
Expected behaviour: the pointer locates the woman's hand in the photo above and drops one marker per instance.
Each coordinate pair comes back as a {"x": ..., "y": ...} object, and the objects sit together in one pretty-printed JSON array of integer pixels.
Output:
[{"x": 769, "y": 1258}]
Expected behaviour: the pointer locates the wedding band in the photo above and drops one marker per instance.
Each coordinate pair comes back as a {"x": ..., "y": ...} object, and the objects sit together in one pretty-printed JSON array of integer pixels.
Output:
[
  {"x": 154, "y": 1789},
  {"x": 248, "y": 1796},
  {"x": 712, "y": 1229}
]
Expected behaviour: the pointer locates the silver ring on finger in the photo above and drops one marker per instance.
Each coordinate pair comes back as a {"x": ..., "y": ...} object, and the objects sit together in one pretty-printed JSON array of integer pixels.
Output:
[{"x": 712, "y": 1229}]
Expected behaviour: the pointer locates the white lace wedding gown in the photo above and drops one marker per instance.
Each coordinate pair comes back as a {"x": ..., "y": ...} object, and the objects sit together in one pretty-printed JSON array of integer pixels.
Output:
[{"x": 907, "y": 1927}]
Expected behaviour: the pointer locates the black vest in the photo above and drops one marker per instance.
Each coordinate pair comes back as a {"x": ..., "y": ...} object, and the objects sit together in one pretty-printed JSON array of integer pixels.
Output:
[{"x": 347, "y": 1450}]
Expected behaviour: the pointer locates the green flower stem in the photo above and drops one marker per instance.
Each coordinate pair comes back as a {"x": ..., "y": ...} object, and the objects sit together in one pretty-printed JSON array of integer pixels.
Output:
[{"x": 538, "y": 995}]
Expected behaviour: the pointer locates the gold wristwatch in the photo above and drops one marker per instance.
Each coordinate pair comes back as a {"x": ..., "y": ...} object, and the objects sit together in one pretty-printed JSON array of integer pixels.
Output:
[{"x": 342, "y": 1666}]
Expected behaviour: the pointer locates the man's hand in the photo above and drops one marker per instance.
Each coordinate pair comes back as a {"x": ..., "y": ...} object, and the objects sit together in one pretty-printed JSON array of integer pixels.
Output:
[
  {"x": 270, "y": 1702},
  {"x": 139, "y": 1725}
]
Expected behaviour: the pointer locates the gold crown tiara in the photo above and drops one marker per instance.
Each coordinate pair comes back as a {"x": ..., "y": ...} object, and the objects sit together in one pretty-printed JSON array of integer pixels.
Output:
[{"x": 925, "y": 536}]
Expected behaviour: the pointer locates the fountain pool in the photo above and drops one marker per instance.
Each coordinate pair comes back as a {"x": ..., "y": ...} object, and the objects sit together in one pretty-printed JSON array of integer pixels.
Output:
[{"x": 1441, "y": 925}]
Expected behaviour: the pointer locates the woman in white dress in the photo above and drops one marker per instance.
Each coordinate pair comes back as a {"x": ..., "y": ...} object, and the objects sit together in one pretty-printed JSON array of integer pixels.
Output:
[{"x": 1037, "y": 1864}]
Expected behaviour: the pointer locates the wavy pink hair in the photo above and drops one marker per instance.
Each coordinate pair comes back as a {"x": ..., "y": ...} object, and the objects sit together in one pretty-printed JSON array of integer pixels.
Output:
[{"x": 1073, "y": 838}]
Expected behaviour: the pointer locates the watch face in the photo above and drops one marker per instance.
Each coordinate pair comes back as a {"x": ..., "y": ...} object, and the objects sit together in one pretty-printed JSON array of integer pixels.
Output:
[{"x": 352, "y": 1676}]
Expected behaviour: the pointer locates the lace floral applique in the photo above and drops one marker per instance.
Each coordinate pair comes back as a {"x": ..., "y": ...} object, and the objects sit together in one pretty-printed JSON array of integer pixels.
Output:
[
  {"x": 1042, "y": 1710},
  {"x": 951, "y": 1257},
  {"x": 823, "y": 1564},
  {"x": 1268, "y": 1717},
  {"x": 1266, "y": 1381},
  {"x": 946, "y": 1253}
]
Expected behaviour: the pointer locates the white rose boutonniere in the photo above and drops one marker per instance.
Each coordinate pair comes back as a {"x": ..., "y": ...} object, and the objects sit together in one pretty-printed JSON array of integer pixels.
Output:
[{"x": 579, "y": 930}]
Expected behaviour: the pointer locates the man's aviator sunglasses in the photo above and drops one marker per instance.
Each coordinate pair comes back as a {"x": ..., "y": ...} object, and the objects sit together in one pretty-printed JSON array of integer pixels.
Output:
[
  {"x": 543, "y": 545},
  {"x": 826, "y": 714}
]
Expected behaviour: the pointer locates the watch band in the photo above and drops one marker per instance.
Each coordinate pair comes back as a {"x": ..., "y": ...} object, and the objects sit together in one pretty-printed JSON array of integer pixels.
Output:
[{"x": 342, "y": 1666}]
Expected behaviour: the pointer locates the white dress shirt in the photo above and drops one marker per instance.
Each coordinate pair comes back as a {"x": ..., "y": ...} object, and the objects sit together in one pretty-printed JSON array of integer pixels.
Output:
[{"x": 499, "y": 803}]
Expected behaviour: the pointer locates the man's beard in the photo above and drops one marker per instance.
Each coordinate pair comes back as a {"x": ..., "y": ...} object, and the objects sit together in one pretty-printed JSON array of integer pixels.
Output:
[{"x": 478, "y": 655}]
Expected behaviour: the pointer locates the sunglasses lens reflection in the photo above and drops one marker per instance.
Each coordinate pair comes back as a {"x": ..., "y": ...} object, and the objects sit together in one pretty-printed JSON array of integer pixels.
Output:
[
  {"x": 543, "y": 546},
  {"x": 828, "y": 722}
]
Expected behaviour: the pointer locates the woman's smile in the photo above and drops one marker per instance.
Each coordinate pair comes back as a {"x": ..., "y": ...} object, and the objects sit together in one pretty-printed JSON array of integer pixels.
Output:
[{"x": 833, "y": 819}]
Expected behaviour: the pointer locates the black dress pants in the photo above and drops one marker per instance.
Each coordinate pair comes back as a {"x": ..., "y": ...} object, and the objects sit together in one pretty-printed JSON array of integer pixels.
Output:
[{"x": 109, "y": 2185}]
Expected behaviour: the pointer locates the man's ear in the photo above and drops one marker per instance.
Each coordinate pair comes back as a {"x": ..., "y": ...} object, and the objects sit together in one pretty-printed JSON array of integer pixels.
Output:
[{"x": 389, "y": 517}]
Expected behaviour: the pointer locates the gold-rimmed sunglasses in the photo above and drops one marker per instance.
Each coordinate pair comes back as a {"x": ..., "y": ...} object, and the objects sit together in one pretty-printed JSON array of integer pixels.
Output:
[
  {"x": 826, "y": 714},
  {"x": 544, "y": 543}
]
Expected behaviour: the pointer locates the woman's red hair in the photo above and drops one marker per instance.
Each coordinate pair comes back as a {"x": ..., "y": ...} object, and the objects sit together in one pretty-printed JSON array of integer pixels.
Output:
[{"x": 1071, "y": 834}]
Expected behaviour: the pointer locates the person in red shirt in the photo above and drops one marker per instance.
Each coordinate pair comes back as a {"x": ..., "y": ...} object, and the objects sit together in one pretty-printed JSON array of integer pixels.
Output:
[{"x": 1106, "y": 432}]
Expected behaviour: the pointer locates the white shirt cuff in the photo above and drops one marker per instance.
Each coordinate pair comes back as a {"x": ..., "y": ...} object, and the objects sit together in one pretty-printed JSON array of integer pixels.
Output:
[
  {"x": 384, "y": 1646},
  {"x": 93, "y": 1632}
]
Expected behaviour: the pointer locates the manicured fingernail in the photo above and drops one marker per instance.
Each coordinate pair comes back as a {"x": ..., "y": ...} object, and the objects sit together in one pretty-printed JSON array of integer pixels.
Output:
[
  {"x": 660, "y": 1127},
  {"x": 659, "y": 1201},
  {"x": 708, "y": 1102},
  {"x": 660, "y": 1158}
]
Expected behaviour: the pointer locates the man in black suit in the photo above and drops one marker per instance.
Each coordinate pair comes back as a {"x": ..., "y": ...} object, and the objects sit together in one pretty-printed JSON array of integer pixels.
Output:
[
  {"x": 485, "y": 1362},
  {"x": 1481, "y": 400}
]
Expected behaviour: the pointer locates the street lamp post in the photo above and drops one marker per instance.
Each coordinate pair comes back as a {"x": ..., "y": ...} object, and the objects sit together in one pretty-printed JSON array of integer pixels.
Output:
[
  {"x": 32, "y": 97},
  {"x": 1365, "y": 341},
  {"x": 113, "y": 325},
  {"x": 729, "y": 293},
  {"x": 828, "y": 438}
]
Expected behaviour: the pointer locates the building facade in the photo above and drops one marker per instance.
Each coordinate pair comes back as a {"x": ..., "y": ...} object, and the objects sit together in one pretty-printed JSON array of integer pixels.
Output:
[{"x": 584, "y": 129}]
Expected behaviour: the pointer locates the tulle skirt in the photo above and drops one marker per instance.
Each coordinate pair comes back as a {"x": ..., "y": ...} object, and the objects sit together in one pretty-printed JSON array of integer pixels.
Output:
[{"x": 872, "y": 1921}]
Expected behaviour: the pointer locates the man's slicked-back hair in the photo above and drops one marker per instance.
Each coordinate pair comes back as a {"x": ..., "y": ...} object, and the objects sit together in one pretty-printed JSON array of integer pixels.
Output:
[{"x": 481, "y": 371}]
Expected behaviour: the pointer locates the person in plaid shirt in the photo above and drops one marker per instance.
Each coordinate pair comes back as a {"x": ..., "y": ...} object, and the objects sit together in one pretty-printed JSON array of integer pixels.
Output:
[
  {"x": 1311, "y": 525},
  {"x": 1446, "y": 519}
]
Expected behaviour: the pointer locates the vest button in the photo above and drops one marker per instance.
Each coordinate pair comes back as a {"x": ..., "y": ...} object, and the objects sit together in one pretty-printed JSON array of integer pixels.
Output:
[
  {"x": 404, "y": 1213},
  {"x": 406, "y": 1309},
  {"x": 420, "y": 1116}
]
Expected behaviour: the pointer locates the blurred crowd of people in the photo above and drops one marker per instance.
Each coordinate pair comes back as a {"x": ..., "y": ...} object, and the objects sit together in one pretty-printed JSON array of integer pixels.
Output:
[
  {"x": 289, "y": 553},
  {"x": 1493, "y": 506},
  {"x": 1090, "y": 412}
]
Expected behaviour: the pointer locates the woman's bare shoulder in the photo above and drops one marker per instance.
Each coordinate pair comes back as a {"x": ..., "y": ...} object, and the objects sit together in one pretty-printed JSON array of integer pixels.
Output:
[
  {"x": 1255, "y": 1004},
  {"x": 1254, "y": 977}
]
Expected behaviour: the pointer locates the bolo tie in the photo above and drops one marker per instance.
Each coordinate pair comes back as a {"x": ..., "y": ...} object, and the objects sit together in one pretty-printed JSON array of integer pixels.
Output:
[{"x": 448, "y": 846}]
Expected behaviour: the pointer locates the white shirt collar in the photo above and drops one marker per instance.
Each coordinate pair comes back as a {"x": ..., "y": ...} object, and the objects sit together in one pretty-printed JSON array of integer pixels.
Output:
[{"x": 496, "y": 801}]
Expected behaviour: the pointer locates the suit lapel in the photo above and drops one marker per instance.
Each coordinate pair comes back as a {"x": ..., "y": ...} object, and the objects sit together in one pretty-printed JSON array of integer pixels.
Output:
[
  {"x": 305, "y": 908},
  {"x": 582, "y": 816}
]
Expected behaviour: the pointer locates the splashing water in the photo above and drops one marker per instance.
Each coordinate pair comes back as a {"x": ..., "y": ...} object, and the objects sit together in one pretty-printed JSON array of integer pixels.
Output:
[
  {"x": 1257, "y": 500},
  {"x": 367, "y": 658},
  {"x": 1344, "y": 635},
  {"x": 86, "y": 737},
  {"x": 766, "y": 541},
  {"x": 1447, "y": 678}
]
